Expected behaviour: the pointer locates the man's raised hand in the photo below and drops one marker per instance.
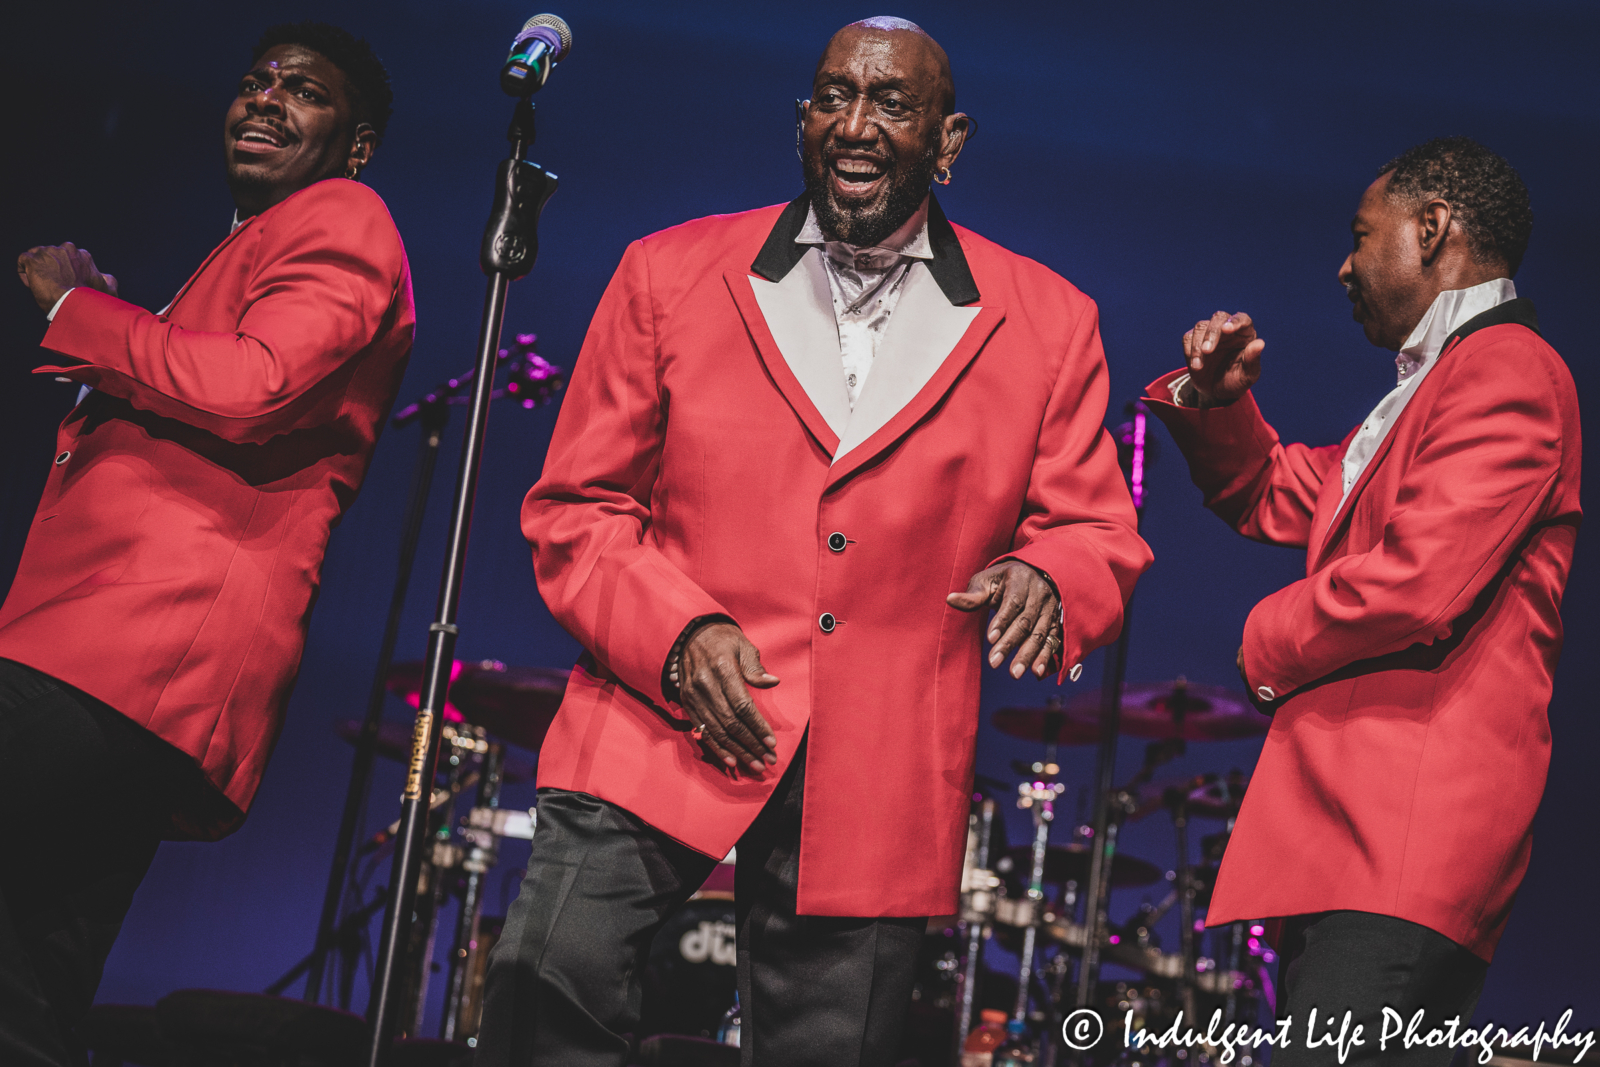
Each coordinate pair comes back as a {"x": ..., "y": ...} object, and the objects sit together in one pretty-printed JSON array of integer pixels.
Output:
[
  {"x": 50, "y": 270},
  {"x": 1223, "y": 354},
  {"x": 1027, "y": 615},
  {"x": 716, "y": 666}
]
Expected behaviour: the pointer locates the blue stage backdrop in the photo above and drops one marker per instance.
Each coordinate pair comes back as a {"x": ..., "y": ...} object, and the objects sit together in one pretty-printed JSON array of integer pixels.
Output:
[{"x": 1169, "y": 158}]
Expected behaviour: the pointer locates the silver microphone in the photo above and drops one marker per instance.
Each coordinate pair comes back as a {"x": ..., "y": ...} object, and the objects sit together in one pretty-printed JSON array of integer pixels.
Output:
[{"x": 543, "y": 41}]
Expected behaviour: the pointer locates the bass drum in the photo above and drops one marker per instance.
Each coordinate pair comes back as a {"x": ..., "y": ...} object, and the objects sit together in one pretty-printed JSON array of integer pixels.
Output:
[{"x": 692, "y": 976}]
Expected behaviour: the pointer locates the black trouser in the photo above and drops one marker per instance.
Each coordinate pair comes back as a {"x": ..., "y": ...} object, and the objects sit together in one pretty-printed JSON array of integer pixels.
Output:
[
  {"x": 1360, "y": 962},
  {"x": 564, "y": 986},
  {"x": 85, "y": 809}
]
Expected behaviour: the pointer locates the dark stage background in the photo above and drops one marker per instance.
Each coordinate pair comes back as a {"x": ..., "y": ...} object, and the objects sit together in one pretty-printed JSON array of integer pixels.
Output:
[{"x": 1169, "y": 158}]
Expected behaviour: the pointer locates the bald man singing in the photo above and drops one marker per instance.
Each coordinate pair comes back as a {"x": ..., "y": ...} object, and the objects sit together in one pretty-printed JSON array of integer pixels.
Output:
[{"x": 807, "y": 449}]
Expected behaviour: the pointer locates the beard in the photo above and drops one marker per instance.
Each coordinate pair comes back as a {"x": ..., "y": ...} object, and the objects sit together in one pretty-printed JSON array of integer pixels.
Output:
[{"x": 867, "y": 223}]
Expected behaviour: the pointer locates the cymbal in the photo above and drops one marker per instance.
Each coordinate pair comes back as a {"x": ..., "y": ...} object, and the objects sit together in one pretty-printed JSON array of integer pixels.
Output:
[
  {"x": 1207, "y": 796},
  {"x": 394, "y": 742},
  {"x": 1155, "y": 709},
  {"x": 1049, "y": 724},
  {"x": 516, "y": 704},
  {"x": 1070, "y": 863}
]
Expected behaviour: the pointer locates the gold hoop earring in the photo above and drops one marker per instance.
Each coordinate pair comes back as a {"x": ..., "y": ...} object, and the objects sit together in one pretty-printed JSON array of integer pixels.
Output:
[
  {"x": 352, "y": 172},
  {"x": 945, "y": 180}
]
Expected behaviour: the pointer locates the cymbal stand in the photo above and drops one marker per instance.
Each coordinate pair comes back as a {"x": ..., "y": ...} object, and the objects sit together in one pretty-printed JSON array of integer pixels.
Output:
[
  {"x": 482, "y": 852},
  {"x": 1230, "y": 1008},
  {"x": 1107, "y": 824},
  {"x": 1179, "y": 806},
  {"x": 977, "y": 892},
  {"x": 1037, "y": 797}
]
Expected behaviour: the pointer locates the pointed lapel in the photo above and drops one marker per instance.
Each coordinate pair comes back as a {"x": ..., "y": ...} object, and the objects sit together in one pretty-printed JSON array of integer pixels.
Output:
[
  {"x": 1518, "y": 312},
  {"x": 226, "y": 241},
  {"x": 1341, "y": 518},
  {"x": 799, "y": 313},
  {"x": 1328, "y": 500},
  {"x": 927, "y": 397},
  {"x": 922, "y": 332},
  {"x": 741, "y": 288}
]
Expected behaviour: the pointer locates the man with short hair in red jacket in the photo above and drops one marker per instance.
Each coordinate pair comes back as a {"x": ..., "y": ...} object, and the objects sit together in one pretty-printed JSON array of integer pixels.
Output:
[
  {"x": 1408, "y": 674},
  {"x": 156, "y": 622}
]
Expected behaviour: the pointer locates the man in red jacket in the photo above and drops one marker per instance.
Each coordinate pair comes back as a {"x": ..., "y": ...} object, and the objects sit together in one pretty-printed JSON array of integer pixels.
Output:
[
  {"x": 1408, "y": 674},
  {"x": 156, "y": 622},
  {"x": 813, "y": 442}
]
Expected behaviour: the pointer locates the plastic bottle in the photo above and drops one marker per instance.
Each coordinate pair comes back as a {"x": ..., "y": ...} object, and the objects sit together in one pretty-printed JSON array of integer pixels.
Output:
[
  {"x": 989, "y": 1035},
  {"x": 1018, "y": 1048}
]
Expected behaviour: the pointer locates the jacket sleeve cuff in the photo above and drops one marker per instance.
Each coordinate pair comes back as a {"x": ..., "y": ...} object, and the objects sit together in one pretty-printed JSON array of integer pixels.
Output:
[
  {"x": 1083, "y": 617},
  {"x": 1269, "y": 669}
]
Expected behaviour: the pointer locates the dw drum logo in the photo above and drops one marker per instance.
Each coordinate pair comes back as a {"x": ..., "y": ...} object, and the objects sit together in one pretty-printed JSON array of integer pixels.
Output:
[{"x": 710, "y": 942}]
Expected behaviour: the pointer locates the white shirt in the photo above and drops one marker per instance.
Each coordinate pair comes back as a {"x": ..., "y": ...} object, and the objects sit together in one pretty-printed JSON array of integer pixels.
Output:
[
  {"x": 1449, "y": 311},
  {"x": 866, "y": 285}
]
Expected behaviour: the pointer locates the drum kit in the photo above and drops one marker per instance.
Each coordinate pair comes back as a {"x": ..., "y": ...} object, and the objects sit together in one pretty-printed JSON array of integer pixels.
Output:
[
  {"x": 1029, "y": 898},
  {"x": 1025, "y": 898}
]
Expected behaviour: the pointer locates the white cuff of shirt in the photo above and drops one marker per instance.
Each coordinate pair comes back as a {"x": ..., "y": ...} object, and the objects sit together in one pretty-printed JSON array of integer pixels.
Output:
[
  {"x": 50, "y": 316},
  {"x": 1180, "y": 384}
]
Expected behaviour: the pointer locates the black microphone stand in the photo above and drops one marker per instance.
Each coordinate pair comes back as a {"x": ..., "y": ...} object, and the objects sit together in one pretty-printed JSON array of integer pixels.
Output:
[
  {"x": 510, "y": 245},
  {"x": 533, "y": 381},
  {"x": 433, "y": 416}
]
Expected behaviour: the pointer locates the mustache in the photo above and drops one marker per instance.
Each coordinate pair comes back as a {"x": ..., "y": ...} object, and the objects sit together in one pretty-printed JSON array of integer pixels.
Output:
[
  {"x": 273, "y": 124},
  {"x": 884, "y": 154}
]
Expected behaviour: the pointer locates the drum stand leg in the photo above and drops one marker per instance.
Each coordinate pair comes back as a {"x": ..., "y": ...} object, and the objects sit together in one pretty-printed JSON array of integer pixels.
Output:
[
  {"x": 1060, "y": 967},
  {"x": 977, "y": 930},
  {"x": 481, "y": 855},
  {"x": 1235, "y": 952},
  {"x": 1186, "y": 946},
  {"x": 1039, "y": 796}
]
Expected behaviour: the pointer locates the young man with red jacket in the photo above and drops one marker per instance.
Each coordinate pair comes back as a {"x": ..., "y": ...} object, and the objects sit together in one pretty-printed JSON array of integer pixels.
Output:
[
  {"x": 156, "y": 622},
  {"x": 1408, "y": 674}
]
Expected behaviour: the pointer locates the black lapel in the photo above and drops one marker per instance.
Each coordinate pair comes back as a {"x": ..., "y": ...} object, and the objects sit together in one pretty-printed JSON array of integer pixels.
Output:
[
  {"x": 779, "y": 254},
  {"x": 949, "y": 267},
  {"x": 1517, "y": 312}
]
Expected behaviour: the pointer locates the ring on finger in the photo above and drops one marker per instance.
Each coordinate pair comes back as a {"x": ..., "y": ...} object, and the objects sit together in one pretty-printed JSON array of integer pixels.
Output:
[{"x": 699, "y": 731}]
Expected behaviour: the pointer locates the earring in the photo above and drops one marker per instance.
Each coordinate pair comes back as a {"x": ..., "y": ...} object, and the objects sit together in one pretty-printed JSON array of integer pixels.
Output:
[
  {"x": 942, "y": 176},
  {"x": 352, "y": 171}
]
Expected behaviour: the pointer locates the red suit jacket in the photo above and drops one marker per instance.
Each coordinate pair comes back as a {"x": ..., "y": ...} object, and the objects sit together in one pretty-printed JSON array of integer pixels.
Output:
[
  {"x": 172, "y": 565},
  {"x": 1413, "y": 663},
  {"x": 694, "y": 470}
]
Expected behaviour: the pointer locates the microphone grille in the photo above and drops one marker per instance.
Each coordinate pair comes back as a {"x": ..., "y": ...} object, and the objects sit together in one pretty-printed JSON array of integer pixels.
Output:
[{"x": 554, "y": 22}]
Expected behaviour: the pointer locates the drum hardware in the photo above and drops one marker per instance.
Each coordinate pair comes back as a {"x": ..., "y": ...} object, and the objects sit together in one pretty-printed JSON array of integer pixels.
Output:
[
  {"x": 1070, "y": 863},
  {"x": 1038, "y": 798},
  {"x": 514, "y": 704},
  {"x": 1179, "y": 710},
  {"x": 536, "y": 381},
  {"x": 501, "y": 822},
  {"x": 394, "y": 743},
  {"x": 1178, "y": 802},
  {"x": 979, "y": 888},
  {"x": 482, "y": 851}
]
